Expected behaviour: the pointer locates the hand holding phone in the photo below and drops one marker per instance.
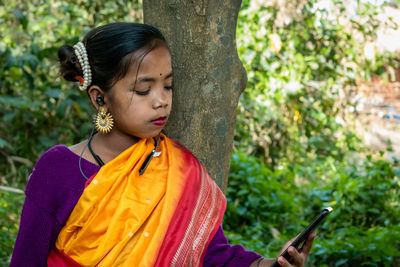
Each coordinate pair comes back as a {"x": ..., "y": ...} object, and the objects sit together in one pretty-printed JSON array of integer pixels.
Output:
[{"x": 304, "y": 235}]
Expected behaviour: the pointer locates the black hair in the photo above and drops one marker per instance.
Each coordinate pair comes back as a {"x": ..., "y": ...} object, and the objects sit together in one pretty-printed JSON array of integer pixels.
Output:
[{"x": 110, "y": 50}]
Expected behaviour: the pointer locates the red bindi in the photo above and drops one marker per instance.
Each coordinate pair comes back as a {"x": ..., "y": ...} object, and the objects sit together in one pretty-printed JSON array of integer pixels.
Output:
[{"x": 160, "y": 74}]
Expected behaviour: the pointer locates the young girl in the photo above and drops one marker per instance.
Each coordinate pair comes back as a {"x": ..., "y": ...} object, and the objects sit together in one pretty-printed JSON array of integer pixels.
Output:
[{"x": 128, "y": 196}]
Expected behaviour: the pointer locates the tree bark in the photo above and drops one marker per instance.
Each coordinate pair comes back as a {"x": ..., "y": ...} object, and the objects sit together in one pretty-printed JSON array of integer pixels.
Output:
[{"x": 208, "y": 76}]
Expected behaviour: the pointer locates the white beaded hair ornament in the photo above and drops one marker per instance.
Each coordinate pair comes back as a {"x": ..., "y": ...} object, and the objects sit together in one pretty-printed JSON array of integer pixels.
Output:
[{"x": 81, "y": 54}]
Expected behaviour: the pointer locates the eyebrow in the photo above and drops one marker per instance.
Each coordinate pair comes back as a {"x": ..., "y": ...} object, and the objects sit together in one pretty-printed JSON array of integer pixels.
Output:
[{"x": 151, "y": 79}]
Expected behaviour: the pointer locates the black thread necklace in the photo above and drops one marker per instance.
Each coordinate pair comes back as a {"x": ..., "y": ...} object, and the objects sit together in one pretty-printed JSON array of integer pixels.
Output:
[
  {"x": 95, "y": 156},
  {"x": 145, "y": 163}
]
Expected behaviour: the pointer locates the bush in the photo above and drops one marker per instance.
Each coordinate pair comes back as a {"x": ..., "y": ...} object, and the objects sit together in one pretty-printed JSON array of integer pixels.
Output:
[
  {"x": 294, "y": 154},
  {"x": 10, "y": 210},
  {"x": 301, "y": 61},
  {"x": 267, "y": 208}
]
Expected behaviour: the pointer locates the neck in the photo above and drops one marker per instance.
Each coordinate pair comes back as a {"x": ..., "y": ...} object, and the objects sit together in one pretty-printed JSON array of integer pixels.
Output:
[{"x": 110, "y": 145}]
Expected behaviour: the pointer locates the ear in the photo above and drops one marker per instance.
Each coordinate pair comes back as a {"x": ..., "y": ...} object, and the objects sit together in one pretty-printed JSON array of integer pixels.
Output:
[{"x": 94, "y": 92}]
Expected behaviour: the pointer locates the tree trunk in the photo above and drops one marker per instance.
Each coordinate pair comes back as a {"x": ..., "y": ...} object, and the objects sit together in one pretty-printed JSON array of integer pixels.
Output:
[{"x": 208, "y": 76}]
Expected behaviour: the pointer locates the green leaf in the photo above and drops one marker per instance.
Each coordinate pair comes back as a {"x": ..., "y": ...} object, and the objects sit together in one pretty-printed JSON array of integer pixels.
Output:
[{"x": 4, "y": 143}]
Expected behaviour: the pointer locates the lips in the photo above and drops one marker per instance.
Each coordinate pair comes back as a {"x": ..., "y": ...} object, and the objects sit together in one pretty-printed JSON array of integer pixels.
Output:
[{"x": 160, "y": 121}]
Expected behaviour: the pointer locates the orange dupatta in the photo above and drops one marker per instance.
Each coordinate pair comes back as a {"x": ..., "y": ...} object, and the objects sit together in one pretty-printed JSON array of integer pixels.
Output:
[{"x": 165, "y": 217}]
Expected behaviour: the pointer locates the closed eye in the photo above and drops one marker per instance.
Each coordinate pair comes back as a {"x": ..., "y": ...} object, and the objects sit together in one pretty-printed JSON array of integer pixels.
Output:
[
  {"x": 168, "y": 87},
  {"x": 142, "y": 92}
]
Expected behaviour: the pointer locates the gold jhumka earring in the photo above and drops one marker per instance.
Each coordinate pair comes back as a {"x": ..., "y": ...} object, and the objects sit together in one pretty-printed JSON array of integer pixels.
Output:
[{"x": 104, "y": 120}]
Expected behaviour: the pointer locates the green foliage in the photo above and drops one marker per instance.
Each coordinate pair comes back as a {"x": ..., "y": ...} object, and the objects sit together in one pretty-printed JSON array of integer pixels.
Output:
[
  {"x": 367, "y": 194},
  {"x": 297, "y": 74},
  {"x": 258, "y": 201},
  {"x": 10, "y": 210},
  {"x": 294, "y": 154},
  {"x": 266, "y": 208}
]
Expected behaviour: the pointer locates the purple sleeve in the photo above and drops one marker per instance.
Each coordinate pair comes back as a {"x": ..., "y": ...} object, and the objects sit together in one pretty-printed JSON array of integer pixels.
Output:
[
  {"x": 220, "y": 253},
  {"x": 37, "y": 229},
  {"x": 52, "y": 191}
]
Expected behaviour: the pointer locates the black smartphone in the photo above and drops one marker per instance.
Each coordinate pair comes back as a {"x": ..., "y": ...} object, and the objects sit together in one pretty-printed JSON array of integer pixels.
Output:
[{"x": 303, "y": 236}]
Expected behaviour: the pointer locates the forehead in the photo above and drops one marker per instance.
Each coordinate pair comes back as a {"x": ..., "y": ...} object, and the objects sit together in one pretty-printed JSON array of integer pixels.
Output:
[{"x": 153, "y": 63}]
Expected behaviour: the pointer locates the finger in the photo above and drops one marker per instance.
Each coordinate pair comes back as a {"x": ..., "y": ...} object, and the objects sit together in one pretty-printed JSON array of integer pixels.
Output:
[
  {"x": 286, "y": 245},
  {"x": 307, "y": 246},
  {"x": 283, "y": 262},
  {"x": 295, "y": 255}
]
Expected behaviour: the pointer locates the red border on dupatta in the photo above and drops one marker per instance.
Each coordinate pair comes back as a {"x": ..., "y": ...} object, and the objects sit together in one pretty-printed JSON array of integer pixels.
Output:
[
  {"x": 196, "y": 220},
  {"x": 58, "y": 258}
]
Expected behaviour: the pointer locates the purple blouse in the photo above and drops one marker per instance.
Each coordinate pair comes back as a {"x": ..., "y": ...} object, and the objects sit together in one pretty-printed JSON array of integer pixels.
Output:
[{"x": 52, "y": 192}]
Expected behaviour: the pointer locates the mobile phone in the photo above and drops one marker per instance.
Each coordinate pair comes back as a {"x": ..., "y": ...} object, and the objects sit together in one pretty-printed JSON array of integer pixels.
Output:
[{"x": 303, "y": 236}]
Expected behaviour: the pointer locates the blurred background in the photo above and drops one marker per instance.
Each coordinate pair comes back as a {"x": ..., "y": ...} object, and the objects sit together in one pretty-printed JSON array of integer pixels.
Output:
[{"x": 318, "y": 124}]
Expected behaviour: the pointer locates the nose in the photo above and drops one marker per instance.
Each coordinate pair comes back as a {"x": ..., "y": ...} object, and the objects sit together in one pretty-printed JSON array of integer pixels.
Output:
[{"x": 161, "y": 99}]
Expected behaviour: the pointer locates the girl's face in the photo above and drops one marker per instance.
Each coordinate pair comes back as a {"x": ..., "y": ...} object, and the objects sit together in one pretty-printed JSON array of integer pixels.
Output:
[{"x": 141, "y": 101}]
